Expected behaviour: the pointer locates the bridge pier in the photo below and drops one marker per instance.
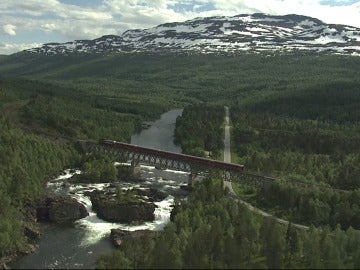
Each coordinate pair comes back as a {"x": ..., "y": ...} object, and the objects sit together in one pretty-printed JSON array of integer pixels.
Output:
[
  {"x": 267, "y": 183},
  {"x": 226, "y": 176},
  {"x": 81, "y": 145},
  {"x": 135, "y": 168},
  {"x": 191, "y": 179}
]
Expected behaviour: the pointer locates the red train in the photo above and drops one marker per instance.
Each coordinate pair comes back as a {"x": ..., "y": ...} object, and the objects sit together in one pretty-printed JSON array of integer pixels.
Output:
[{"x": 172, "y": 155}]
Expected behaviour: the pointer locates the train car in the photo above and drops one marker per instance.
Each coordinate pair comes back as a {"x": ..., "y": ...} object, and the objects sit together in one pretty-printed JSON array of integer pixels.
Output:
[{"x": 176, "y": 156}]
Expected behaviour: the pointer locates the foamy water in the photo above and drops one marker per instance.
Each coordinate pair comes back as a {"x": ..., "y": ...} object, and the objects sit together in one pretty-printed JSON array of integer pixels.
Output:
[{"x": 96, "y": 228}]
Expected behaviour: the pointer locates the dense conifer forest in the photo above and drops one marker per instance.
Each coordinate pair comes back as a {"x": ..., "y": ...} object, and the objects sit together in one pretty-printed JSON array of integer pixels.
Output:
[
  {"x": 294, "y": 117},
  {"x": 211, "y": 231}
]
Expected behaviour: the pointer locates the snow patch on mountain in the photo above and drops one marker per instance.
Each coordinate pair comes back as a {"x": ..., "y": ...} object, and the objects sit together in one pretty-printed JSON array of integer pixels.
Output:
[{"x": 220, "y": 34}]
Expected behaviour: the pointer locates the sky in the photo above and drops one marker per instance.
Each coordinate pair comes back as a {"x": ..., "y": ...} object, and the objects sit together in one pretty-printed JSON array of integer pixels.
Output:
[{"x": 29, "y": 23}]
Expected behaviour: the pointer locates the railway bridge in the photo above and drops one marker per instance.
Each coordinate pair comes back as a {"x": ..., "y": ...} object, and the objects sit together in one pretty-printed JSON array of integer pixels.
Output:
[{"x": 175, "y": 161}]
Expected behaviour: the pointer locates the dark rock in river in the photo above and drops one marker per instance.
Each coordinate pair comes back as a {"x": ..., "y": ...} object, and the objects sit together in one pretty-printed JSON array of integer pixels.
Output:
[
  {"x": 118, "y": 236},
  {"x": 152, "y": 193},
  {"x": 61, "y": 209},
  {"x": 127, "y": 209},
  {"x": 126, "y": 212},
  {"x": 185, "y": 187},
  {"x": 31, "y": 231}
]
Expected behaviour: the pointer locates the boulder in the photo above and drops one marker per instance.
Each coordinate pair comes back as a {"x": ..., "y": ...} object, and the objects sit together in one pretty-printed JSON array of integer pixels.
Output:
[
  {"x": 72, "y": 171},
  {"x": 61, "y": 209},
  {"x": 27, "y": 249},
  {"x": 31, "y": 232},
  {"x": 185, "y": 187},
  {"x": 152, "y": 193},
  {"x": 120, "y": 211},
  {"x": 79, "y": 179},
  {"x": 118, "y": 236},
  {"x": 128, "y": 209}
]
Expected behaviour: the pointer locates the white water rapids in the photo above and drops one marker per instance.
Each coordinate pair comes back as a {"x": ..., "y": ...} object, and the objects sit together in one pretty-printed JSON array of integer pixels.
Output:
[
  {"x": 97, "y": 228},
  {"x": 77, "y": 246}
]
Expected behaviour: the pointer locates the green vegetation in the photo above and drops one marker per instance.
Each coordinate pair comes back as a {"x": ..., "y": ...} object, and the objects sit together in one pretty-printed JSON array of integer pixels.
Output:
[
  {"x": 309, "y": 138},
  {"x": 26, "y": 162},
  {"x": 39, "y": 124},
  {"x": 69, "y": 112},
  {"x": 309, "y": 150},
  {"x": 97, "y": 169},
  {"x": 317, "y": 144},
  {"x": 128, "y": 196},
  {"x": 200, "y": 128},
  {"x": 213, "y": 231},
  {"x": 295, "y": 117},
  {"x": 180, "y": 79}
]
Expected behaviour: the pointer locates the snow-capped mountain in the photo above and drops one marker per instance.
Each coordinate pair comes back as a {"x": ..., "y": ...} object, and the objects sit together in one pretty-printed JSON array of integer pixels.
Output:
[{"x": 221, "y": 34}]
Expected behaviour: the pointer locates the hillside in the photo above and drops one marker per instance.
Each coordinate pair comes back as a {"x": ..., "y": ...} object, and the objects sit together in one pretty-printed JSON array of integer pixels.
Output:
[
  {"x": 294, "y": 116},
  {"x": 222, "y": 35},
  {"x": 200, "y": 78}
]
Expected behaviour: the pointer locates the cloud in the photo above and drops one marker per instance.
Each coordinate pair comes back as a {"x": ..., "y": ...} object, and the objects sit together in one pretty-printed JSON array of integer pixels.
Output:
[
  {"x": 7, "y": 48},
  {"x": 121, "y": 15},
  {"x": 67, "y": 21},
  {"x": 9, "y": 29},
  {"x": 144, "y": 13},
  {"x": 39, "y": 8},
  {"x": 338, "y": 2},
  {"x": 347, "y": 13}
]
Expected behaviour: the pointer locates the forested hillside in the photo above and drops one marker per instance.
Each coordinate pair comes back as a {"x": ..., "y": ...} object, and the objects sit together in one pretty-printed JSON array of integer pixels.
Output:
[
  {"x": 192, "y": 78},
  {"x": 310, "y": 136},
  {"x": 39, "y": 125},
  {"x": 294, "y": 117},
  {"x": 26, "y": 162},
  {"x": 201, "y": 128},
  {"x": 212, "y": 231}
]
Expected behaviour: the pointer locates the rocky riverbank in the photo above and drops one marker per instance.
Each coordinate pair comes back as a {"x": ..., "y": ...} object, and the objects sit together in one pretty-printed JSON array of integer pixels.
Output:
[{"x": 50, "y": 209}]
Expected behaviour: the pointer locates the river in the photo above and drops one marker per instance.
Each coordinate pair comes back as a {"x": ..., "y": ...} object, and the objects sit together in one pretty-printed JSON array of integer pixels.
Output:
[{"x": 77, "y": 246}]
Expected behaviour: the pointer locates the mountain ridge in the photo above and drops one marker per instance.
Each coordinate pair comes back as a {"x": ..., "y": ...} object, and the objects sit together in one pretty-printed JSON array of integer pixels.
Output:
[{"x": 222, "y": 34}]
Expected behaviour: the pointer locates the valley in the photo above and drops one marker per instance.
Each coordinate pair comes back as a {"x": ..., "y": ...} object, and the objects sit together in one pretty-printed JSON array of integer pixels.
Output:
[{"x": 294, "y": 117}]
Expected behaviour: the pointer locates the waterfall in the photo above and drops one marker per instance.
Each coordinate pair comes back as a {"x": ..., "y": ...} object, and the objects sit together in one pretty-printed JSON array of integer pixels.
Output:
[{"x": 97, "y": 228}]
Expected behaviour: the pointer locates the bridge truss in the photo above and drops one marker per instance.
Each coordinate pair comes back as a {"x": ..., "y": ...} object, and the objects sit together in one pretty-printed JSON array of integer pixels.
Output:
[{"x": 174, "y": 161}]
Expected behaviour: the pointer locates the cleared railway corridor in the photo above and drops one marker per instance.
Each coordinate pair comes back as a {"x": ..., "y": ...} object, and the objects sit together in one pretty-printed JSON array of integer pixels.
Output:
[{"x": 227, "y": 184}]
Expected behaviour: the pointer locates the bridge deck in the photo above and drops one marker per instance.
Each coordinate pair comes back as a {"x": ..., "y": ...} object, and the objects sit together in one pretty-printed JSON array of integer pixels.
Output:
[
  {"x": 182, "y": 162},
  {"x": 204, "y": 162},
  {"x": 178, "y": 161}
]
